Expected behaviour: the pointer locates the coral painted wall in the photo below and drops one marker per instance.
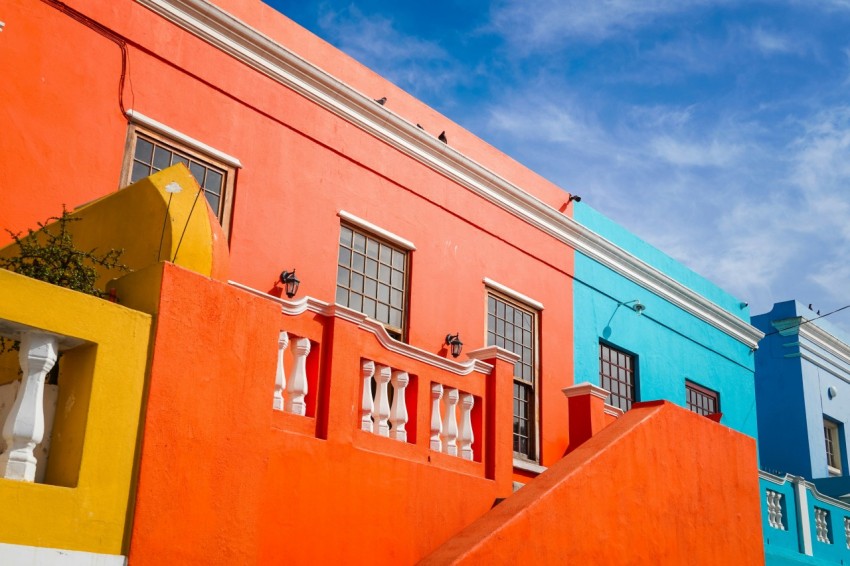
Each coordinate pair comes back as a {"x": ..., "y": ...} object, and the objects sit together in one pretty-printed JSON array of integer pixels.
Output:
[
  {"x": 644, "y": 470},
  {"x": 224, "y": 479}
]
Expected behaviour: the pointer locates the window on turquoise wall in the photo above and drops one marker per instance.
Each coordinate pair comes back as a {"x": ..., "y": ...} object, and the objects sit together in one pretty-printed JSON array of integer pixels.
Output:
[
  {"x": 701, "y": 400},
  {"x": 832, "y": 442},
  {"x": 617, "y": 374},
  {"x": 514, "y": 328}
]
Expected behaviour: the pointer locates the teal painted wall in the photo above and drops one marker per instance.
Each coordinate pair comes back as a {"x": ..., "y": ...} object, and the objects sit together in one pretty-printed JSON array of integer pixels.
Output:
[{"x": 670, "y": 344}]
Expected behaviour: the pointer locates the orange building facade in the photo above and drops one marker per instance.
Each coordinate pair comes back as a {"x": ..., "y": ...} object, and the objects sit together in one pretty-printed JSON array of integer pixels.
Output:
[{"x": 336, "y": 425}]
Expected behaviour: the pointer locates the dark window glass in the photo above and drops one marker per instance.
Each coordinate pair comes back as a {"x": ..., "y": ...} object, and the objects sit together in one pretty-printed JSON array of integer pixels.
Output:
[{"x": 616, "y": 374}]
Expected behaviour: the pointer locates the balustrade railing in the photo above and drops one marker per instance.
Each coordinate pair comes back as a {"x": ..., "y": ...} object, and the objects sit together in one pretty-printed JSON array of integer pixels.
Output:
[
  {"x": 25, "y": 438},
  {"x": 290, "y": 394},
  {"x": 446, "y": 435},
  {"x": 379, "y": 414}
]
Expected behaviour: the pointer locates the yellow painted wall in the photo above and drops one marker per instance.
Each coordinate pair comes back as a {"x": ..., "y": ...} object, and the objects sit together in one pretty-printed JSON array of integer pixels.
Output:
[
  {"x": 97, "y": 421},
  {"x": 132, "y": 219}
]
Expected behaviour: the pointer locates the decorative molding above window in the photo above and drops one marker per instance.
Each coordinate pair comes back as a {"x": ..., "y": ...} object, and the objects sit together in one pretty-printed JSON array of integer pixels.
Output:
[
  {"x": 266, "y": 56},
  {"x": 515, "y": 295},
  {"x": 377, "y": 230}
]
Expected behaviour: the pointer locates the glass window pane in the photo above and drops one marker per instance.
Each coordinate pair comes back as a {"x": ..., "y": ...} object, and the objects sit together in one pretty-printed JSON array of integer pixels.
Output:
[
  {"x": 398, "y": 259},
  {"x": 345, "y": 236},
  {"x": 383, "y": 313},
  {"x": 358, "y": 262},
  {"x": 144, "y": 150},
  {"x": 369, "y": 307},
  {"x": 355, "y": 301},
  {"x": 214, "y": 181},
  {"x": 386, "y": 254},
  {"x": 396, "y": 298},
  {"x": 180, "y": 159},
  {"x": 372, "y": 268},
  {"x": 140, "y": 171},
  {"x": 161, "y": 158},
  {"x": 395, "y": 318},
  {"x": 341, "y": 296},
  {"x": 344, "y": 256},
  {"x": 383, "y": 293},
  {"x": 214, "y": 201},
  {"x": 384, "y": 274},
  {"x": 397, "y": 280},
  {"x": 342, "y": 276},
  {"x": 357, "y": 282},
  {"x": 372, "y": 248},
  {"x": 370, "y": 288},
  {"x": 198, "y": 172},
  {"x": 359, "y": 242}
]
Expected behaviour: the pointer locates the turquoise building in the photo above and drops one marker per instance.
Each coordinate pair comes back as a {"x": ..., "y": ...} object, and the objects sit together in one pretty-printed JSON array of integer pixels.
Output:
[{"x": 663, "y": 332}]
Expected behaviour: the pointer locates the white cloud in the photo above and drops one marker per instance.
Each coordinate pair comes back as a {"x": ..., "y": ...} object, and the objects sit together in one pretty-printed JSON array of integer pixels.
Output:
[{"x": 417, "y": 65}]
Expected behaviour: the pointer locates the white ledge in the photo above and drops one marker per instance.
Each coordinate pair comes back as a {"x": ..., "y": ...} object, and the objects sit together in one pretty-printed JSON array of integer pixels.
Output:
[
  {"x": 234, "y": 37},
  {"x": 515, "y": 295},
  {"x": 294, "y": 308},
  {"x": 489, "y": 352},
  {"x": 613, "y": 411},
  {"x": 22, "y": 554},
  {"x": 369, "y": 227},
  {"x": 585, "y": 388},
  {"x": 521, "y": 464},
  {"x": 138, "y": 118}
]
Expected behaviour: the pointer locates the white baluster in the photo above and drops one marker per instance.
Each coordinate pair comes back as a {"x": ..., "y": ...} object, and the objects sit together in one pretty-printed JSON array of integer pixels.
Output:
[
  {"x": 280, "y": 376},
  {"x": 296, "y": 389},
  {"x": 24, "y": 427},
  {"x": 450, "y": 423},
  {"x": 381, "y": 410},
  {"x": 398, "y": 413},
  {"x": 466, "y": 437},
  {"x": 436, "y": 421},
  {"x": 367, "y": 370}
]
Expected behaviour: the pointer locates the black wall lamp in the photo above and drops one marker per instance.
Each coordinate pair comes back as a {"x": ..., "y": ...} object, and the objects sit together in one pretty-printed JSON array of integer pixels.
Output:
[
  {"x": 453, "y": 341},
  {"x": 290, "y": 282}
]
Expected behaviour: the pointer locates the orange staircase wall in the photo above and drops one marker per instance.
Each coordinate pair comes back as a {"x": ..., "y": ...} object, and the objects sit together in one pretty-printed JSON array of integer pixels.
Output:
[{"x": 661, "y": 485}]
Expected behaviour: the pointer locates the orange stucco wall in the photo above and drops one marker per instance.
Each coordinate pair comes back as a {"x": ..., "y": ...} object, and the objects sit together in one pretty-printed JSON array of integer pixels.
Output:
[
  {"x": 224, "y": 479},
  {"x": 661, "y": 485},
  {"x": 301, "y": 165}
]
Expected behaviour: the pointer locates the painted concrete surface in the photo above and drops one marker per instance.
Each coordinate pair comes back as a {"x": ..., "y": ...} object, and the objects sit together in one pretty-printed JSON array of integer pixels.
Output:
[
  {"x": 247, "y": 484},
  {"x": 565, "y": 515},
  {"x": 801, "y": 380},
  {"x": 670, "y": 345},
  {"x": 83, "y": 504}
]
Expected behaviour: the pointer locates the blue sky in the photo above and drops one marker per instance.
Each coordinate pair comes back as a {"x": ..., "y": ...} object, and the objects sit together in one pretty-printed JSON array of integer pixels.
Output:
[{"x": 718, "y": 131}]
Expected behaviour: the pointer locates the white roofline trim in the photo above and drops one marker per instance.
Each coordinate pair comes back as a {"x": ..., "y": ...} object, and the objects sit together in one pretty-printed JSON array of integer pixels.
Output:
[
  {"x": 138, "y": 118},
  {"x": 377, "y": 230},
  {"x": 266, "y": 56},
  {"x": 516, "y": 295}
]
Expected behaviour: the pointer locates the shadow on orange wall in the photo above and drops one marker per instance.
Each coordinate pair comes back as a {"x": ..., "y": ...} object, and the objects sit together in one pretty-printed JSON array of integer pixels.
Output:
[{"x": 661, "y": 485}]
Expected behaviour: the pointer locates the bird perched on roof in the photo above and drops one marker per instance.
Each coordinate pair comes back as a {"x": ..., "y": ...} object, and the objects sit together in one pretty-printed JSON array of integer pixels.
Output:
[
  {"x": 382, "y": 100},
  {"x": 420, "y": 126},
  {"x": 442, "y": 137}
]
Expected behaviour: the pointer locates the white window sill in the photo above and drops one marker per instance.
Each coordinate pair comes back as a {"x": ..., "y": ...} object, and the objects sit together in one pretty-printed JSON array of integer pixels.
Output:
[{"x": 529, "y": 466}]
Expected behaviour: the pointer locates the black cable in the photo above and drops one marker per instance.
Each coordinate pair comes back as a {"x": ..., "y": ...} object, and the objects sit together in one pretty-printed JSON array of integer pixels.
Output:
[{"x": 808, "y": 320}]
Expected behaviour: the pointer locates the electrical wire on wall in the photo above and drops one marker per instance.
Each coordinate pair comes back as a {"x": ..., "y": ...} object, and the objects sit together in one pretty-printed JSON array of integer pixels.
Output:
[{"x": 108, "y": 34}]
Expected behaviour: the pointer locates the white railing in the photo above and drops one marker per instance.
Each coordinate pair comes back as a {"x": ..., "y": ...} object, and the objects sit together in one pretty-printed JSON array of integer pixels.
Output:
[
  {"x": 775, "y": 502},
  {"x": 377, "y": 414},
  {"x": 23, "y": 433},
  {"x": 446, "y": 436},
  {"x": 290, "y": 395}
]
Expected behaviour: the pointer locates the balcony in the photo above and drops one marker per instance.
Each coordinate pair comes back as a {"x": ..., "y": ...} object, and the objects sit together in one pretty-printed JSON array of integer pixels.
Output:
[
  {"x": 70, "y": 493},
  {"x": 798, "y": 520}
]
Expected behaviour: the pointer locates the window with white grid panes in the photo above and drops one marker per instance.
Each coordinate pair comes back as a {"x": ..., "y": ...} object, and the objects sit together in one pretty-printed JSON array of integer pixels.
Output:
[
  {"x": 152, "y": 152},
  {"x": 832, "y": 444},
  {"x": 372, "y": 278},
  {"x": 617, "y": 375},
  {"x": 701, "y": 400},
  {"x": 514, "y": 328}
]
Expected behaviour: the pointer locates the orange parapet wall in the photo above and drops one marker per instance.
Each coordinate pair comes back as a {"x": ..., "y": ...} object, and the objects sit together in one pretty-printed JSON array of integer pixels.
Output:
[
  {"x": 661, "y": 485},
  {"x": 226, "y": 479}
]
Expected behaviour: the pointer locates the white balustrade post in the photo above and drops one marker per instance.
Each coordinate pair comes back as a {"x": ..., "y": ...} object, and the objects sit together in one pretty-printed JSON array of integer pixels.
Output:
[
  {"x": 296, "y": 389},
  {"x": 24, "y": 427},
  {"x": 450, "y": 423},
  {"x": 398, "y": 413},
  {"x": 436, "y": 421},
  {"x": 367, "y": 370},
  {"x": 381, "y": 410},
  {"x": 466, "y": 437},
  {"x": 280, "y": 376}
]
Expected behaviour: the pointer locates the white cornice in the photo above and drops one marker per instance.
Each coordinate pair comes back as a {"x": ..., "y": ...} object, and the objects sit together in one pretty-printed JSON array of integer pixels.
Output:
[
  {"x": 263, "y": 54},
  {"x": 515, "y": 295},
  {"x": 586, "y": 388},
  {"x": 815, "y": 335},
  {"x": 294, "y": 308},
  {"x": 369, "y": 227}
]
